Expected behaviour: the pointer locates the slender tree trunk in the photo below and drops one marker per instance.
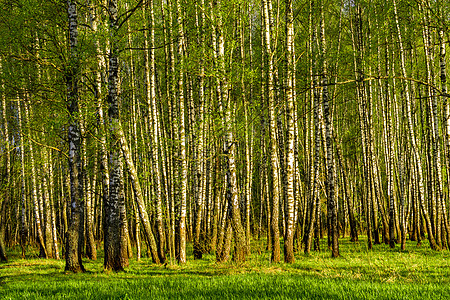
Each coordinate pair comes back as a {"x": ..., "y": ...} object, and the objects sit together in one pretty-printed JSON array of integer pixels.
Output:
[
  {"x": 154, "y": 129},
  {"x": 5, "y": 182},
  {"x": 434, "y": 124},
  {"x": 46, "y": 205},
  {"x": 103, "y": 153},
  {"x": 23, "y": 199},
  {"x": 34, "y": 188},
  {"x": 314, "y": 137},
  {"x": 53, "y": 208},
  {"x": 289, "y": 242},
  {"x": 200, "y": 177},
  {"x": 389, "y": 149},
  {"x": 74, "y": 232},
  {"x": 230, "y": 145},
  {"x": 446, "y": 125},
  {"x": 272, "y": 132},
  {"x": 248, "y": 136},
  {"x": 330, "y": 163},
  {"x": 91, "y": 251},
  {"x": 182, "y": 135},
  {"x": 116, "y": 256}
]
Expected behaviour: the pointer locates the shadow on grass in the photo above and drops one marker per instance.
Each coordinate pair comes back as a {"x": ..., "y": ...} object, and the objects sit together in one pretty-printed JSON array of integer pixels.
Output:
[
  {"x": 241, "y": 286},
  {"x": 382, "y": 273}
]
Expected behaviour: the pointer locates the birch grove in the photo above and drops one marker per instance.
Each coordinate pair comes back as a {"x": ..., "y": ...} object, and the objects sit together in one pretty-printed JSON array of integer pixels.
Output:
[{"x": 140, "y": 128}]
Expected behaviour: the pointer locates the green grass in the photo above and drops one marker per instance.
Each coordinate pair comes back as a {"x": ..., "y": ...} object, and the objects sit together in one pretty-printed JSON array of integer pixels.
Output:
[{"x": 418, "y": 273}]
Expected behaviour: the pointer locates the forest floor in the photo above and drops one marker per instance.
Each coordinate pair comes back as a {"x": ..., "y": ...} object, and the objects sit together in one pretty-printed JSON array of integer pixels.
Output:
[{"x": 382, "y": 273}]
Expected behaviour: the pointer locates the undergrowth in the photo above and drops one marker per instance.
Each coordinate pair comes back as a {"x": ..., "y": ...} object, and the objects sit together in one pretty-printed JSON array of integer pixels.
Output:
[{"x": 381, "y": 273}]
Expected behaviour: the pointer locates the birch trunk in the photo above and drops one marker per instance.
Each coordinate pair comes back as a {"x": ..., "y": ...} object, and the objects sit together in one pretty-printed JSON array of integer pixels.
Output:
[
  {"x": 115, "y": 243},
  {"x": 74, "y": 232},
  {"x": 435, "y": 135},
  {"x": 273, "y": 138},
  {"x": 52, "y": 207},
  {"x": 103, "y": 152},
  {"x": 200, "y": 175},
  {"x": 91, "y": 251},
  {"x": 389, "y": 153},
  {"x": 289, "y": 242},
  {"x": 230, "y": 145},
  {"x": 313, "y": 137},
  {"x": 154, "y": 128},
  {"x": 34, "y": 188},
  {"x": 23, "y": 198},
  {"x": 358, "y": 50},
  {"x": 46, "y": 204},
  {"x": 330, "y": 177},
  {"x": 446, "y": 125},
  {"x": 182, "y": 136},
  {"x": 5, "y": 182}
]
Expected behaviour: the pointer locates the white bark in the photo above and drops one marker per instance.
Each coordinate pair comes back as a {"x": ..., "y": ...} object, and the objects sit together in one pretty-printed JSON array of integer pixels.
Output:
[
  {"x": 182, "y": 137},
  {"x": 272, "y": 133},
  {"x": 415, "y": 149}
]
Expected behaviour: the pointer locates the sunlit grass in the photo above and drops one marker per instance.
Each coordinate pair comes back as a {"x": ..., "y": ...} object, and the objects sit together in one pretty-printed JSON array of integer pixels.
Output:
[{"x": 382, "y": 273}]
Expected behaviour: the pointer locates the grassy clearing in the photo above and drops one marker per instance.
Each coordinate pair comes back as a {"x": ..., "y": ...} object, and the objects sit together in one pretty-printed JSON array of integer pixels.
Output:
[{"x": 382, "y": 273}]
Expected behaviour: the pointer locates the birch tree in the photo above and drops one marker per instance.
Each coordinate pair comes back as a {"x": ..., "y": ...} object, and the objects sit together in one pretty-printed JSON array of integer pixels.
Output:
[
  {"x": 289, "y": 242},
  {"x": 115, "y": 244},
  {"x": 74, "y": 234},
  {"x": 272, "y": 133}
]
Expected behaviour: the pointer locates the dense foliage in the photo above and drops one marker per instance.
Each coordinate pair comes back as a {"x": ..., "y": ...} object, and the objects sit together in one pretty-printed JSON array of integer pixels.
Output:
[{"x": 219, "y": 122}]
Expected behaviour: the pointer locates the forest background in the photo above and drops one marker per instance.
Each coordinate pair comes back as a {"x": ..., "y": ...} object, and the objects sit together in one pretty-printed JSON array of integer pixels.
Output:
[{"x": 162, "y": 123}]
